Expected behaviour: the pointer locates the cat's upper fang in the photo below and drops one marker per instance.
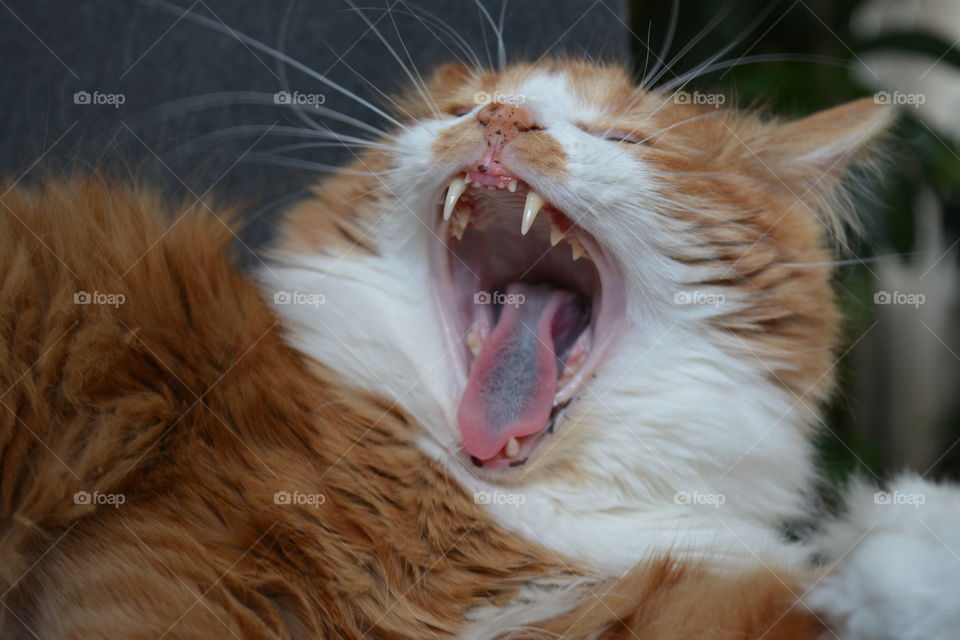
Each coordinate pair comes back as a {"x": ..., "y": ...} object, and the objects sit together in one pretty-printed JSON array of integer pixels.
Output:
[
  {"x": 457, "y": 186},
  {"x": 530, "y": 210}
]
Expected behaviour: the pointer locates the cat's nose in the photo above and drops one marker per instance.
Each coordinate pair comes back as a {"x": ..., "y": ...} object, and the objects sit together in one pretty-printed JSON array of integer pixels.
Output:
[{"x": 503, "y": 122}]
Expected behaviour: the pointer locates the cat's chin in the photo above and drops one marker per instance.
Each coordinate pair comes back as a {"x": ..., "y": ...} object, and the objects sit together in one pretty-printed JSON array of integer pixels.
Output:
[{"x": 530, "y": 306}]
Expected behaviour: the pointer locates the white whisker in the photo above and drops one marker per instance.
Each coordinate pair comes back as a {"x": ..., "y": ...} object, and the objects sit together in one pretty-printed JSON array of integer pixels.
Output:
[
  {"x": 763, "y": 57},
  {"x": 417, "y": 81},
  {"x": 253, "y": 42},
  {"x": 667, "y": 42},
  {"x": 298, "y": 163},
  {"x": 714, "y": 21},
  {"x": 221, "y": 98}
]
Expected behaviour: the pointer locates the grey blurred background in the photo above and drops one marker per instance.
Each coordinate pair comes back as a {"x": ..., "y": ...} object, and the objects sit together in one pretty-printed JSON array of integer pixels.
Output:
[
  {"x": 164, "y": 64},
  {"x": 187, "y": 88}
]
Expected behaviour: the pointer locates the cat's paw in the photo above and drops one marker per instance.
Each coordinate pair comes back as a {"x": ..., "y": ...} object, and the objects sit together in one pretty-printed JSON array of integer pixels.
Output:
[{"x": 893, "y": 564}]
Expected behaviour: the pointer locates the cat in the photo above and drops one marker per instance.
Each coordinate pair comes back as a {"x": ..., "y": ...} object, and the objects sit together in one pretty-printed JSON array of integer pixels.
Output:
[{"x": 545, "y": 360}]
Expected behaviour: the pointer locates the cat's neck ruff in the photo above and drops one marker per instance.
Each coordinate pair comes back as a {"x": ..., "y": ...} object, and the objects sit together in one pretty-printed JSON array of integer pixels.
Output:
[{"x": 705, "y": 472}]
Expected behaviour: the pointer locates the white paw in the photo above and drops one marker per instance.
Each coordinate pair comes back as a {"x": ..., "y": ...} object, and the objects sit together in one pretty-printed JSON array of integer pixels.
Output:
[{"x": 893, "y": 564}]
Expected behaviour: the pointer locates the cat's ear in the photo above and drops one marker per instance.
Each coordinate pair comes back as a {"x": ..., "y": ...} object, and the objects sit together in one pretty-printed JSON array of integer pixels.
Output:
[{"x": 815, "y": 152}]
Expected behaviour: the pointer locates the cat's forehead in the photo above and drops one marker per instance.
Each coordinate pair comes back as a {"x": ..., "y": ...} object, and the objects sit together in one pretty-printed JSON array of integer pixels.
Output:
[{"x": 578, "y": 90}]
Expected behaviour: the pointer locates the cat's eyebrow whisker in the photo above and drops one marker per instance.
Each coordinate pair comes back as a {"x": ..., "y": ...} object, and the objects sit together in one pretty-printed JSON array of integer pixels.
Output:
[
  {"x": 253, "y": 42},
  {"x": 759, "y": 58},
  {"x": 710, "y": 26},
  {"x": 222, "y": 98},
  {"x": 668, "y": 67},
  {"x": 756, "y": 22},
  {"x": 697, "y": 71},
  {"x": 416, "y": 80},
  {"x": 667, "y": 42}
]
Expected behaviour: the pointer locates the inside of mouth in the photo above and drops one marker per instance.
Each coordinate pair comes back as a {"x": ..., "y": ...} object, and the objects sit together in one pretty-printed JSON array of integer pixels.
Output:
[{"x": 528, "y": 311}]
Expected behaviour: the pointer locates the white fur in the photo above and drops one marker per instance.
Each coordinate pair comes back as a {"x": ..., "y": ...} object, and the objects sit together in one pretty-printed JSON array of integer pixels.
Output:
[{"x": 894, "y": 564}]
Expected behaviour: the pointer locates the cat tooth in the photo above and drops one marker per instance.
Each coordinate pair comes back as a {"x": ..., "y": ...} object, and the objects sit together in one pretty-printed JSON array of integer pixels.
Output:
[
  {"x": 461, "y": 219},
  {"x": 556, "y": 235},
  {"x": 512, "y": 448},
  {"x": 577, "y": 249},
  {"x": 454, "y": 191},
  {"x": 512, "y": 187},
  {"x": 474, "y": 343},
  {"x": 530, "y": 210}
]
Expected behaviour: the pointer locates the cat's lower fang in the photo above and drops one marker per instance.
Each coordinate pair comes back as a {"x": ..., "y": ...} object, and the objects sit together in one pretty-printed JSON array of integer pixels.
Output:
[
  {"x": 461, "y": 219},
  {"x": 576, "y": 247},
  {"x": 474, "y": 342},
  {"x": 512, "y": 448}
]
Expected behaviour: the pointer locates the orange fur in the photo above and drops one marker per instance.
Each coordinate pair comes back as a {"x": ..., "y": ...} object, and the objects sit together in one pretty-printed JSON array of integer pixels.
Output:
[{"x": 185, "y": 400}]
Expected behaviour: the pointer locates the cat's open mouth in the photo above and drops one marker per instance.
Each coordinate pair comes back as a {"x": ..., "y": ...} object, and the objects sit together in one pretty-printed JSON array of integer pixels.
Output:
[{"x": 530, "y": 305}]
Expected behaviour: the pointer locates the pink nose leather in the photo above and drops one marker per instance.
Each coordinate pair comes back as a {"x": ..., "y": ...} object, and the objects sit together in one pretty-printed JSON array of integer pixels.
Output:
[{"x": 501, "y": 124}]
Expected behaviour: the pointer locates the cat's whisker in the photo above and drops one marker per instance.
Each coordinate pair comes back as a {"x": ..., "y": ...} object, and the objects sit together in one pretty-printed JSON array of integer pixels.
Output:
[
  {"x": 422, "y": 15},
  {"x": 667, "y": 42},
  {"x": 756, "y": 22},
  {"x": 282, "y": 68},
  {"x": 253, "y": 42},
  {"x": 710, "y": 26},
  {"x": 321, "y": 145},
  {"x": 240, "y": 131},
  {"x": 710, "y": 114},
  {"x": 498, "y": 31},
  {"x": 298, "y": 163},
  {"x": 420, "y": 83},
  {"x": 226, "y": 98},
  {"x": 654, "y": 78},
  {"x": 416, "y": 80},
  {"x": 697, "y": 71},
  {"x": 759, "y": 58}
]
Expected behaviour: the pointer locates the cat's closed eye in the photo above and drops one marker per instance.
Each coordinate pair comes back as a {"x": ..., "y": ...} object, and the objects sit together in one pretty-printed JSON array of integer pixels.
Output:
[
  {"x": 458, "y": 111},
  {"x": 627, "y": 137}
]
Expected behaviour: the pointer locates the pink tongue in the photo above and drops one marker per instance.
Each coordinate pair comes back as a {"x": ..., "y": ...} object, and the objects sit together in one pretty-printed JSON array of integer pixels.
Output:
[{"x": 513, "y": 381}]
